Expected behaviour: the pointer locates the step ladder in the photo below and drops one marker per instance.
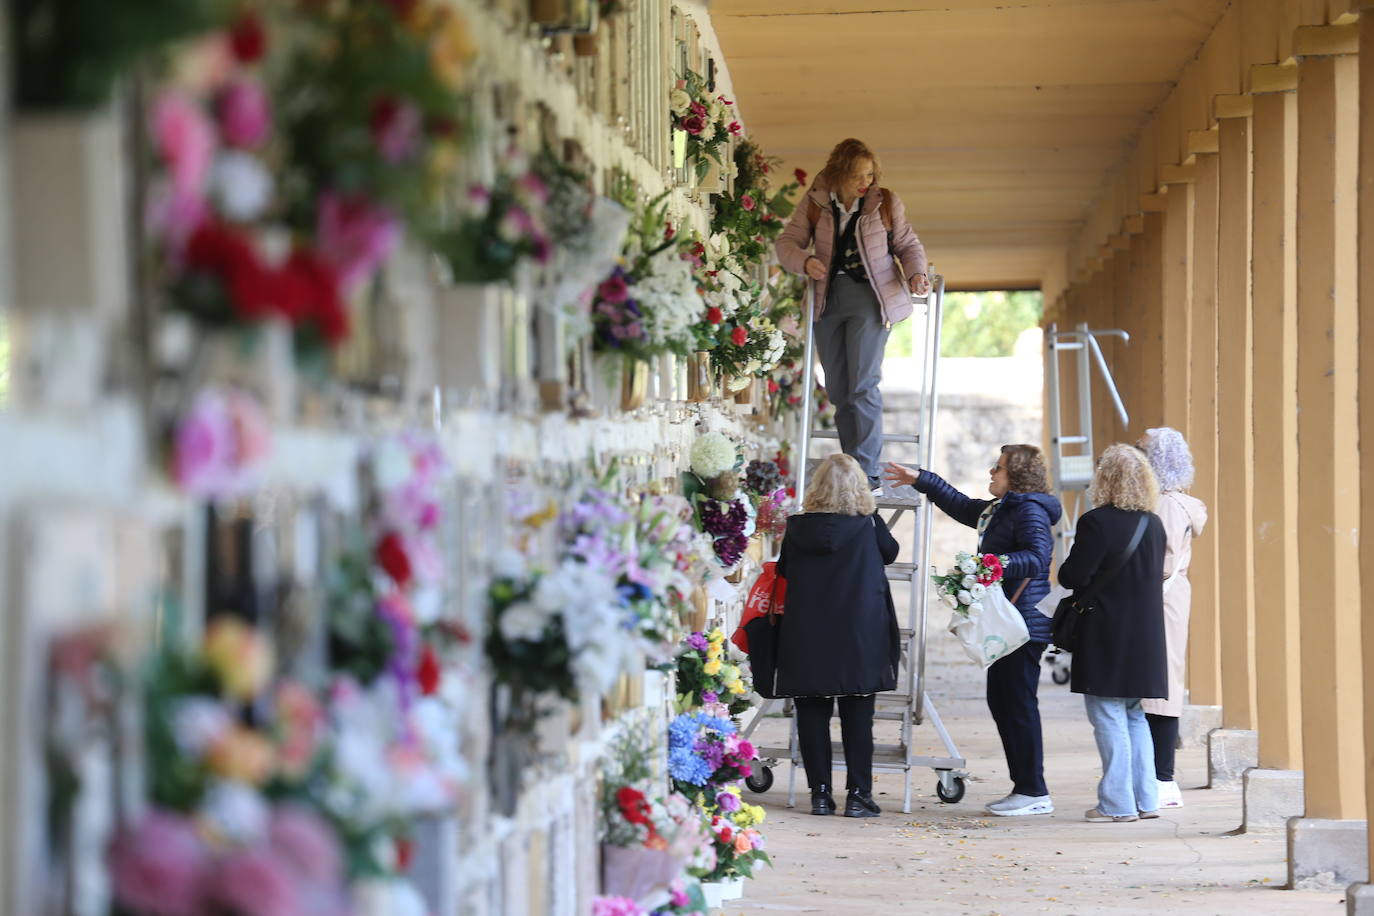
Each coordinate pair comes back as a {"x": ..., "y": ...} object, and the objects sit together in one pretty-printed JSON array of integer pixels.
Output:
[
  {"x": 909, "y": 704},
  {"x": 1073, "y": 473}
]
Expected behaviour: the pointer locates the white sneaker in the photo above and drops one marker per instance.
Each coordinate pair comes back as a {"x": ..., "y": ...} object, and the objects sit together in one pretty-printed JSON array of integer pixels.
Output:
[
  {"x": 1169, "y": 795},
  {"x": 1020, "y": 805}
]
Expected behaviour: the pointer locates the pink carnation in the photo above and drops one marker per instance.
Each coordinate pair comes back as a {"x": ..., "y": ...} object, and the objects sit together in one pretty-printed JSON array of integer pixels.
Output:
[
  {"x": 158, "y": 866},
  {"x": 203, "y": 453},
  {"x": 355, "y": 236},
  {"x": 256, "y": 882},
  {"x": 300, "y": 837},
  {"x": 245, "y": 114},
  {"x": 747, "y": 202},
  {"x": 185, "y": 140},
  {"x": 615, "y": 906}
]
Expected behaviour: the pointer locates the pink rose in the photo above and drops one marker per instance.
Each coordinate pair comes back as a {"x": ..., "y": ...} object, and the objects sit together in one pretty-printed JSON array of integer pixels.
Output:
[
  {"x": 304, "y": 840},
  {"x": 245, "y": 113},
  {"x": 355, "y": 236},
  {"x": 396, "y": 129},
  {"x": 185, "y": 139},
  {"x": 255, "y": 881},
  {"x": 613, "y": 289},
  {"x": 694, "y": 124},
  {"x": 532, "y": 185},
  {"x": 159, "y": 866},
  {"x": 204, "y": 447},
  {"x": 747, "y": 202}
]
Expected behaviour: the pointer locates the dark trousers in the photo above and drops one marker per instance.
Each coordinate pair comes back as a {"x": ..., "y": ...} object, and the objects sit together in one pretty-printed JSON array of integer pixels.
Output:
[
  {"x": 1164, "y": 729},
  {"x": 1013, "y": 682},
  {"x": 856, "y": 730}
]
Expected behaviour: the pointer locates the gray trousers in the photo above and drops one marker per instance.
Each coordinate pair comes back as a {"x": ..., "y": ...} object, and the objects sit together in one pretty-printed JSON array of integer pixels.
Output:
[{"x": 850, "y": 338}]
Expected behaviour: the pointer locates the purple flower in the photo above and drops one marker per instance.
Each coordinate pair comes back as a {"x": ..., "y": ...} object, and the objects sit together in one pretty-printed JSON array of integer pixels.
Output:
[
  {"x": 159, "y": 865},
  {"x": 257, "y": 882},
  {"x": 728, "y": 802},
  {"x": 300, "y": 837},
  {"x": 698, "y": 641},
  {"x": 709, "y": 697}
]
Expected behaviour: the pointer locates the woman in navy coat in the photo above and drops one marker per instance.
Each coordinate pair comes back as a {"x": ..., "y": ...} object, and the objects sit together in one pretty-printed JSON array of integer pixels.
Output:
[{"x": 1016, "y": 523}]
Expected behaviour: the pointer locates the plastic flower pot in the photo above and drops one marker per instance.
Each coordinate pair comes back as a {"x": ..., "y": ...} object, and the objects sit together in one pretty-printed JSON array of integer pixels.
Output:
[{"x": 717, "y": 892}]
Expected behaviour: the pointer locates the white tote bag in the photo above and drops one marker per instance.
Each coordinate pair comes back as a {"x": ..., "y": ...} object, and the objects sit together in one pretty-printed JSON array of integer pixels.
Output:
[{"x": 993, "y": 631}]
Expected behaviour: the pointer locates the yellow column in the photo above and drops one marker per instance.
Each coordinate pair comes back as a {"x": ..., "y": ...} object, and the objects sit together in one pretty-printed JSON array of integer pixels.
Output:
[
  {"x": 1204, "y": 654},
  {"x": 1235, "y": 448},
  {"x": 1177, "y": 297},
  {"x": 1328, "y": 473},
  {"x": 1275, "y": 414},
  {"x": 1361, "y": 898}
]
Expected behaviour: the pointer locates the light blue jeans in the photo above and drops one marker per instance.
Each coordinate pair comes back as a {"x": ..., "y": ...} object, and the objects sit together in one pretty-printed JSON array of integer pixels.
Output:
[{"x": 1127, "y": 750}]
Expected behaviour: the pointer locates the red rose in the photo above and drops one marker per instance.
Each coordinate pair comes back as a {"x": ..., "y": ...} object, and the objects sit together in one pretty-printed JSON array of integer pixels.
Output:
[
  {"x": 248, "y": 38},
  {"x": 734, "y": 127},
  {"x": 746, "y": 202},
  {"x": 405, "y": 852},
  {"x": 726, "y": 834},
  {"x": 800, "y": 176},
  {"x": 740, "y": 335},
  {"x": 228, "y": 255},
  {"x": 308, "y": 294},
  {"x": 694, "y": 125},
  {"x": 768, "y": 217},
  {"x": 613, "y": 289},
  {"x": 392, "y": 558},
  {"x": 772, "y": 387},
  {"x": 427, "y": 673},
  {"x": 715, "y": 315},
  {"x": 669, "y": 231}
]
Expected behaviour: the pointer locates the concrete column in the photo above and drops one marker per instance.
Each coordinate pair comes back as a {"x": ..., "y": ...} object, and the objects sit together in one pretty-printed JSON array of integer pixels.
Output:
[
  {"x": 1273, "y": 792},
  {"x": 1360, "y": 897},
  {"x": 1203, "y": 711},
  {"x": 1331, "y": 837},
  {"x": 1232, "y": 748},
  {"x": 1176, "y": 299},
  {"x": 1148, "y": 409}
]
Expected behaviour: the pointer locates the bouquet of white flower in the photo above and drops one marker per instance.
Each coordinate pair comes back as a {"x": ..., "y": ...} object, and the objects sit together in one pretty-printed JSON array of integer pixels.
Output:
[{"x": 987, "y": 625}]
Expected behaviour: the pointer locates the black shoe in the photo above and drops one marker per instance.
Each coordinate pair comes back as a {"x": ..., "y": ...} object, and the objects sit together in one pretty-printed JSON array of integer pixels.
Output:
[
  {"x": 822, "y": 802},
  {"x": 861, "y": 804}
]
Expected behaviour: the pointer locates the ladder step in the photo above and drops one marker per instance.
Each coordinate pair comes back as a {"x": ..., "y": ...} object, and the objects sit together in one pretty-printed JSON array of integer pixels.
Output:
[
  {"x": 886, "y": 502},
  {"x": 901, "y": 572},
  {"x": 887, "y": 437}
]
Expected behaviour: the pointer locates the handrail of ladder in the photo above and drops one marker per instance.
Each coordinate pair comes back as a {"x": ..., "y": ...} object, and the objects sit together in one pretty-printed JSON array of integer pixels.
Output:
[
  {"x": 808, "y": 389},
  {"x": 1107, "y": 373},
  {"x": 935, "y": 302}
]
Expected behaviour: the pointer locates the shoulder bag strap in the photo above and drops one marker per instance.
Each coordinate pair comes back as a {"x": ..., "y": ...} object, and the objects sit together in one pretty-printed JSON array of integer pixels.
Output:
[
  {"x": 1017, "y": 597},
  {"x": 1106, "y": 575}
]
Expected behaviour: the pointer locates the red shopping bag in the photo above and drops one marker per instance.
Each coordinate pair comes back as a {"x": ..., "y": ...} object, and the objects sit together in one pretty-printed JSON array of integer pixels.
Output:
[{"x": 765, "y": 597}]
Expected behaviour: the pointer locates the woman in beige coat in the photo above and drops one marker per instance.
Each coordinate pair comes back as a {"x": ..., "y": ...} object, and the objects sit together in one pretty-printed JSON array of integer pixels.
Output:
[{"x": 1184, "y": 517}]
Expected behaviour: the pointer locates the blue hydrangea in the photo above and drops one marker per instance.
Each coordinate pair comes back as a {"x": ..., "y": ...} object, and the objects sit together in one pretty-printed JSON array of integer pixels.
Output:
[
  {"x": 685, "y": 766},
  {"x": 724, "y": 726},
  {"x": 682, "y": 732}
]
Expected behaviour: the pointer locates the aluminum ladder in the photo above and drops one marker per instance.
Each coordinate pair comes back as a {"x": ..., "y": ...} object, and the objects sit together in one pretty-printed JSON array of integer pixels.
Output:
[
  {"x": 909, "y": 704},
  {"x": 1073, "y": 473}
]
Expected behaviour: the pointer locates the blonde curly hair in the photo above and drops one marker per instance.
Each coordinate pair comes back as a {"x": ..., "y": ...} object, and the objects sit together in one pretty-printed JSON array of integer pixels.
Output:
[
  {"x": 1124, "y": 479},
  {"x": 840, "y": 486}
]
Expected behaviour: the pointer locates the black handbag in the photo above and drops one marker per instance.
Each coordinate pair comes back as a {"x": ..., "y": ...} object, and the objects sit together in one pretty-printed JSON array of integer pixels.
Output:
[{"x": 1064, "y": 626}]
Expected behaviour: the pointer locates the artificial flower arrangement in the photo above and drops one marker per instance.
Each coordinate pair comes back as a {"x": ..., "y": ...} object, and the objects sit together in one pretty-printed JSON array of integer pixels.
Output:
[
  {"x": 232, "y": 826},
  {"x": 500, "y": 225},
  {"x": 749, "y": 348},
  {"x": 766, "y": 485},
  {"x": 292, "y": 153},
  {"x": 724, "y": 287},
  {"x": 754, "y": 215},
  {"x": 963, "y": 586},
  {"x": 824, "y": 407},
  {"x": 650, "y": 303},
  {"x": 739, "y": 844},
  {"x": 650, "y": 838},
  {"x": 220, "y": 444},
  {"x": 706, "y": 754},
  {"x": 707, "y": 120},
  {"x": 709, "y": 678},
  {"x": 712, "y": 486}
]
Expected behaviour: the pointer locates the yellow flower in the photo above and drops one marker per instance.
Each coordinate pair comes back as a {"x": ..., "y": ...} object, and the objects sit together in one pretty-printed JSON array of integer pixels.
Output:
[
  {"x": 733, "y": 790},
  {"x": 729, "y": 674},
  {"x": 715, "y": 636},
  {"x": 737, "y": 688},
  {"x": 712, "y": 667},
  {"x": 713, "y": 651},
  {"x": 450, "y": 50},
  {"x": 239, "y": 657}
]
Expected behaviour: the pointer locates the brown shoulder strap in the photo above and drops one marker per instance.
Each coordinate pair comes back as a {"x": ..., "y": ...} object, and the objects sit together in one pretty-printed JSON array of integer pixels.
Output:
[
  {"x": 885, "y": 209},
  {"x": 1017, "y": 597},
  {"x": 813, "y": 211}
]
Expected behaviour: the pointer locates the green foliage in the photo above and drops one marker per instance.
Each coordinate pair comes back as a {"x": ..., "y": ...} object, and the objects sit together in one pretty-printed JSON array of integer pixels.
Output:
[
  {"x": 987, "y": 324},
  {"x": 70, "y": 53}
]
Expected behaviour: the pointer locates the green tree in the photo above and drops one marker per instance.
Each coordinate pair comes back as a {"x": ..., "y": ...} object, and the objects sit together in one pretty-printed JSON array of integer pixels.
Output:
[{"x": 976, "y": 324}]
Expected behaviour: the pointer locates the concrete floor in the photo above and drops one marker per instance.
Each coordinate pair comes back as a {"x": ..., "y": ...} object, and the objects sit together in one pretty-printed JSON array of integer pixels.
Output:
[{"x": 955, "y": 859}]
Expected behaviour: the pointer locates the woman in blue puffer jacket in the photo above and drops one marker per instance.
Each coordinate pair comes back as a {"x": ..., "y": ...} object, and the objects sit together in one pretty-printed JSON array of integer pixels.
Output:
[{"x": 1016, "y": 523}]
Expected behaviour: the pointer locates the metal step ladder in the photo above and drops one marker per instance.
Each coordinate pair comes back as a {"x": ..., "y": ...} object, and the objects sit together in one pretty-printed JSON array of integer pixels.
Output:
[
  {"x": 1073, "y": 473},
  {"x": 909, "y": 704}
]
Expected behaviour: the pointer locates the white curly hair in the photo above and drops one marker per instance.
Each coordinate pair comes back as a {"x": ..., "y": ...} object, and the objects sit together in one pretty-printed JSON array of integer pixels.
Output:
[{"x": 1170, "y": 458}]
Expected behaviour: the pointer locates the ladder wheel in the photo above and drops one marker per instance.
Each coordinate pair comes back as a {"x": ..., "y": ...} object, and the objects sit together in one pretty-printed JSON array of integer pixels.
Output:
[
  {"x": 761, "y": 780},
  {"x": 955, "y": 793},
  {"x": 1060, "y": 675}
]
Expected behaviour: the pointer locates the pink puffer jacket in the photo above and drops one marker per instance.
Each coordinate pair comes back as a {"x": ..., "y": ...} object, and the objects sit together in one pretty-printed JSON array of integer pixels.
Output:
[{"x": 792, "y": 247}]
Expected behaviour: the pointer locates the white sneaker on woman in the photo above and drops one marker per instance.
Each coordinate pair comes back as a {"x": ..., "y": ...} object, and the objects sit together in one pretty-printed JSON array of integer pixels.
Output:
[
  {"x": 1169, "y": 794},
  {"x": 1015, "y": 805}
]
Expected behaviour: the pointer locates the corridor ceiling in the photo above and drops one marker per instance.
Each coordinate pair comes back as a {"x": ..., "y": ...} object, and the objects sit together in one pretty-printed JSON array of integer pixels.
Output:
[{"x": 997, "y": 121}]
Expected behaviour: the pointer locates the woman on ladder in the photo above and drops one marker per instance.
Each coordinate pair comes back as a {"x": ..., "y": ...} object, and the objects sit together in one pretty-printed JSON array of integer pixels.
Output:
[
  {"x": 849, "y": 236},
  {"x": 1016, "y": 522}
]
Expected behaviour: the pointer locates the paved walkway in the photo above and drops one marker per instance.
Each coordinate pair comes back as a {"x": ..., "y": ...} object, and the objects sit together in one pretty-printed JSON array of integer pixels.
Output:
[{"x": 955, "y": 859}]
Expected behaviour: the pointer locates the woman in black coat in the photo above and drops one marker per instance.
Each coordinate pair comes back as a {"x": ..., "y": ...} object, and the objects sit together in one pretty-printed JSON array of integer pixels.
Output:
[
  {"x": 1120, "y": 657},
  {"x": 1017, "y": 523},
  {"x": 838, "y": 637}
]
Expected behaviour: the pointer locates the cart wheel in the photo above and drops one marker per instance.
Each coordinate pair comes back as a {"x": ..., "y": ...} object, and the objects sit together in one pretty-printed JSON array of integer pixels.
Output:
[
  {"x": 1060, "y": 675},
  {"x": 954, "y": 795},
  {"x": 761, "y": 780}
]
